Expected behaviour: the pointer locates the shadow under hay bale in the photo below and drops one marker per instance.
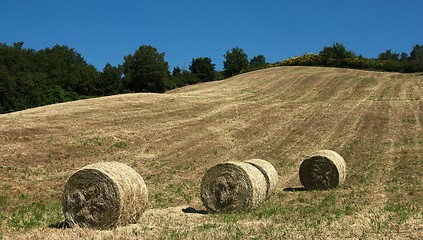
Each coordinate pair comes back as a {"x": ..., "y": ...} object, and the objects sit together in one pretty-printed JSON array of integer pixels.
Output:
[
  {"x": 104, "y": 195},
  {"x": 294, "y": 189},
  {"x": 193, "y": 210},
  {"x": 236, "y": 186},
  {"x": 60, "y": 225},
  {"x": 324, "y": 169}
]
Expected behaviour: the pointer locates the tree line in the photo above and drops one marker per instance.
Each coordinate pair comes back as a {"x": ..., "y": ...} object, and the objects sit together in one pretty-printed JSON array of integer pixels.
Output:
[
  {"x": 30, "y": 78},
  {"x": 338, "y": 56}
]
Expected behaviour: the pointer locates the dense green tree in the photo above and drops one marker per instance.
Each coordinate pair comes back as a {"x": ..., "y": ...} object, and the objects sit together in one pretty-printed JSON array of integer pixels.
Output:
[
  {"x": 335, "y": 55},
  {"x": 388, "y": 56},
  {"x": 257, "y": 62},
  {"x": 417, "y": 53},
  {"x": 180, "y": 78},
  {"x": 110, "y": 80},
  {"x": 146, "y": 70},
  {"x": 67, "y": 68},
  {"x": 6, "y": 90},
  {"x": 416, "y": 57},
  {"x": 177, "y": 71},
  {"x": 188, "y": 77},
  {"x": 235, "y": 61},
  {"x": 404, "y": 57},
  {"x": 21, "y": 84},
  {"x": 29, "y": 78},
  {"x": 203, "y": 68}
]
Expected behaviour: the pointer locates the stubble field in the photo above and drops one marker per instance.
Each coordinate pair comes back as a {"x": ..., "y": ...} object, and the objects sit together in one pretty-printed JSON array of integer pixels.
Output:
[{"x": 374, "y": 120}]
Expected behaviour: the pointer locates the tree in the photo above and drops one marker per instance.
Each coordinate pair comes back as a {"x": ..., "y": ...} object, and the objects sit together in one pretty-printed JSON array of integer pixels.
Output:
[
  {"x": 258, "y": 62},
  {"x": 110, "y": 80},
  {"x": 235, "y": 62},
  {"x": 404, "y": 57},
  {"x": 388, "y": 56},
  {"x": 416, "y": 57},
  {"x": 146, "y": 70},
  {"x": 177, "y": 71},
  {"x": 203, "y": 68},
  {"x": 68, "y": 69},
  {"x": 335, "y": 55},
  {"x": 7, "y": 90}
]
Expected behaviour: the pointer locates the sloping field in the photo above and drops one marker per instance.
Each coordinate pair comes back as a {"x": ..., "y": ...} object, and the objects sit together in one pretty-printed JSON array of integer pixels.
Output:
[{"x": 374, "y": 120}]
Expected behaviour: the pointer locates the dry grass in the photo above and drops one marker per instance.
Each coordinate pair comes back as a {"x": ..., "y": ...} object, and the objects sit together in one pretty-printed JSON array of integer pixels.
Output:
[{"x": 374, "y": 120}]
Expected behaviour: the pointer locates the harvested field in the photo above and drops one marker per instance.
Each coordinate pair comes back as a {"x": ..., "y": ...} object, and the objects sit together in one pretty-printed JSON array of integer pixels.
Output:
[{"x": 373, "y": 120}]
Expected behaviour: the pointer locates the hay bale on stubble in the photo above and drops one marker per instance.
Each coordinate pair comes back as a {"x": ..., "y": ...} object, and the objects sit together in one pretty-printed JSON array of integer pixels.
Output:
[
  {"x": 269, "y": 172},
  {"x": 104, "y": 195},
  {"x": 232, "y": 187},
  {"x": 324, "y": 169}
]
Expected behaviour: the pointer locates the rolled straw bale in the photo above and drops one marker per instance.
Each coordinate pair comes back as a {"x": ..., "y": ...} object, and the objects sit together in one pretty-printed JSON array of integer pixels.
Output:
[
  {"x": 269, "y": 172},
  {"x": 232, "y": 187},
  {"x": 324, "y": 169},
  {"x": 104, "y": 195}
]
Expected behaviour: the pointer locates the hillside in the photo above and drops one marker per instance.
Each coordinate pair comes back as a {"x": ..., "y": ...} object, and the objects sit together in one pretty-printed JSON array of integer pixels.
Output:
[{"x": 373, "y": 119}]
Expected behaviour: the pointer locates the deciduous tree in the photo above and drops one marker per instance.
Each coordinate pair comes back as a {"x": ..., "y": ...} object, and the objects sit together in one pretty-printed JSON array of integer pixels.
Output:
[
  {"x": 235, "y": 61},
  {"x": 203, "y": 68},
  {"x": 146, "y": 70},
  {"x": 257, "y": 62}
]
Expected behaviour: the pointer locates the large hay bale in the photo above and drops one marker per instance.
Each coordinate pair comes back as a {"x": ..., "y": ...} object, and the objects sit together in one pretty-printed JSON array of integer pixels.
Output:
[
  {"x": 104, "y": 195},
  {"x": 269, "y": 172},
  {"x": 324, "y": 169},
  {"x": 232, "y": 187}
]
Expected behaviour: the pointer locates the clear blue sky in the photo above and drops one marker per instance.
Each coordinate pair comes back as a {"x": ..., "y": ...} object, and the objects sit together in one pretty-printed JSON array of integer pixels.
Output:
[{"x": 105, "y": 31}]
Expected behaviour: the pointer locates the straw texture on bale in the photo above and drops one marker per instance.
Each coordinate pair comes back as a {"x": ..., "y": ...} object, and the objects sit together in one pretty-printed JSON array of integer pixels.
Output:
[
  {"x": 324, "y": 169},
  {"x": 269, "y": 172},
  {"x": 104, "y": 195},
  {"x": 232, "y": 187}
]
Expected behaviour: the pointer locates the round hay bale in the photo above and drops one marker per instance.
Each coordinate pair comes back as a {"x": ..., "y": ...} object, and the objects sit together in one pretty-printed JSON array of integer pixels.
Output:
[
  {"x": 324, "y": 169},
  {"x": 232, "y": 187},
  {"x": 269, "y": 172},
  {"x": 104, "y": 195}
]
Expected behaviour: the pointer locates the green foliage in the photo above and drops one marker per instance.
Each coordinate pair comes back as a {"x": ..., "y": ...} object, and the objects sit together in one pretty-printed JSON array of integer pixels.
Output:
[
  {"x": 388, "y": 56},
  {"x": 258, "y": 62},
  {"x": 180, "y": 78},
  {"x": 146, "y": 70},
  {"x": 335, "y": 55},
  {"x": 66, "y": 67},
  {"x": 338, "y": 56},
  {"x": 29, "y": 78},
  {"x": 235, "y": 62},
  {"x": 203, "y": 68},
  {"x": 416, "y": 57},
  {"x": 110, "y": 81}
]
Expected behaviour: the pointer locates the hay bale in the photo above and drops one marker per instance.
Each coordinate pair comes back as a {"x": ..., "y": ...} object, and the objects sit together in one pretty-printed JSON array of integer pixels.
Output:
[
  {"x": 104, "y": 195},
  {"x": 324, "y": 169},
  {"x": 269, "y": 172},
  {"x": 232, "y": 187}
]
